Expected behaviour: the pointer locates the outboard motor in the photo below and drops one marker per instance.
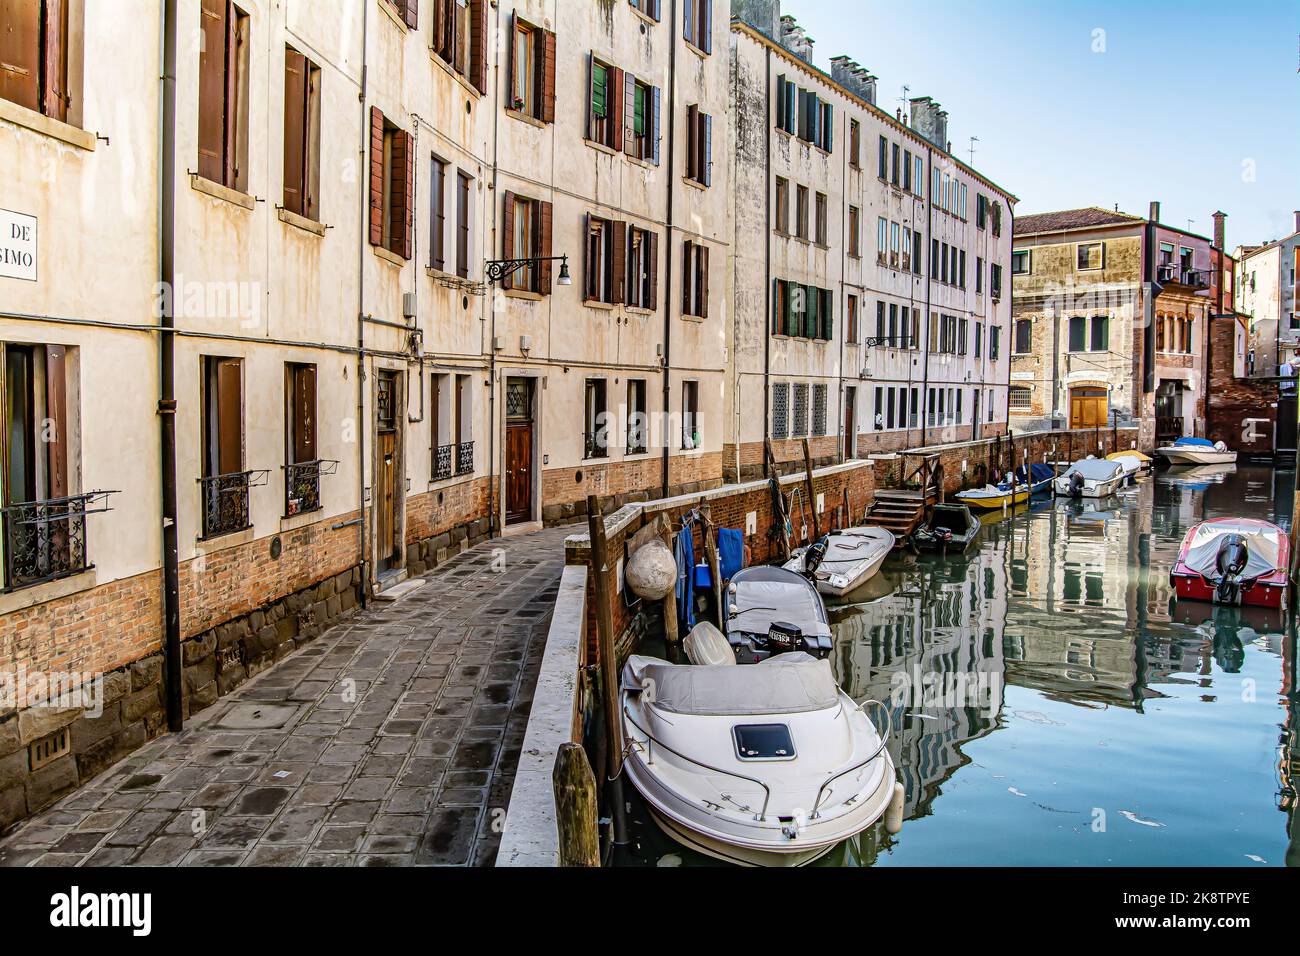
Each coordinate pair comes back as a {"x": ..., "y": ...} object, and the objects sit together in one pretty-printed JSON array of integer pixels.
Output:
[
  {"x": 782, "y": 638},
  {"x": 813, "y": 557},
  {"x": 1076, "y": 485},
  {"x": 1230, "y": 563}
]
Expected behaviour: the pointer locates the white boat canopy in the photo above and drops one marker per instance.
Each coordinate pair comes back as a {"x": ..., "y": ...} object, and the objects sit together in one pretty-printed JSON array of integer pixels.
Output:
[
  {"x": 786, "y": 684},
  {"x": 760, "y": 604},
  {"x": 1095, "y": 469},
  {"x": 1261, "y": 544}
]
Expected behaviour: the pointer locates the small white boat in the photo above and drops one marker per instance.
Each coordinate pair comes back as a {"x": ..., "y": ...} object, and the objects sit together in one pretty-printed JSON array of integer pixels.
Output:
[
  {"x": 774, "y": 611},
  {"x": 1090, "y": 478},
  {"x": 1143, "y": 461},
  {"x": 770, "y": 764},
  {"x": 851, "y": 557},
  {"x": 1132, "y": 464},
  {"x": 1197, "y": 451}
]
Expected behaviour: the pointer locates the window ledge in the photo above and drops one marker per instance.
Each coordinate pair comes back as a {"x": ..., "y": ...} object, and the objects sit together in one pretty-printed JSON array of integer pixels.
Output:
[
  {"x": 301, "y": 222},
  {"x": 389, "y": 256},
  {"x": 695, "y": 183},
  {"x": 217, "y": 191},
  {"x": 49, "y": 591},
  {"x": 526, "y": 118},
  {"x": 596, "y": 304},
  {"x": 301, "y": 520},
  {"x": 600, "y": 147},
  {"x": 651, "y": 21},
  {"x": 388, "y": 8},
  {"x": 638, "y": 310},
  {"x": 441, "y": 484},
  {"x": 450, "y": 71},
  {"x": 696, "y": 50},
  {"x": 223, "y": 542},
  {"x": 524, "y": 294},
  {"x": 46, "y": 126}
]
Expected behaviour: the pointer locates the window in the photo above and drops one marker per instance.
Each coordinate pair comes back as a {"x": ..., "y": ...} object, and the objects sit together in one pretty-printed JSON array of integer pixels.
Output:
[
  {"x": 1100, "y": 341},
  {"x": 855, "y": 144},
  {"x": 819, "y": 409},
  {"x": 698, "y": 25},
  {"x": 605, "y": 105},
  {"x": 816, "y": 121},
  {"x": 642, "y": 269},
  {"x": 606, "y": 258},
  {"x": 882, "y": 240},
  {"x": 638, "y": 422},
  {"x": 907, "y": 249},
  {"x": 799, "y": 424},
  {"x": 690, "y": 416},
  {"x": 301, "y": 135},
  {"x": 532, "y": 71},
  {"x": 302, "y": 470},
  {"x": 464, "y": 425},
  {"x": 223, "y": 94},
  {"x": 781, "y": 410},
  {"x": 649, "y": 7},
  {"x": 996, "y": 216},
  {"x": 979, "y": 338},
  {"x": 391, "y": 174},
  {"x": 995, "y": 281},
  {"x": 801, "y": 212},
  {"x": 786, "y": 110},
  {"x": 527, "y": 235},
  {"x": 918, "y": 175},
  {"x": 464, "y": 214},
  {"x": 822, "y": 226},
  {"x": 1024, "y": 336},
  {"x": 894, "y": 240},
  {"x": 34, "y": 53},
  {"x": 695, "y": 280},
  {"x": 937, "y": 258},
  {"x": 979, "y": 275},
  {"x": 882, "y": 164},
  {"x": 917, "y": 241},
  {"x": 1019, "y": 397},
  {"x": 1078, "y": 333},
  {"x": 699, "y": 146},
  {"x": 438, "y": 215},
  {"x": 981, "y": 211},
  {"x": 782, "y": 206},
  {"x": 893, "y": 166},
  {"x": 1021, "y": 263},
  {"x": 961, "y": 270},
  {"x": 907, "y": 170},
  {"x": 441, "y": 446},
  {"x": 995, "y": 343},
  {"x": 225, "y": 484},
  {"x": 1091, "y": 256},
  {"x": 962, "y": 211},
  {"x": 851, "y": 321},
  {"x": 460, "y": 36},
  {"x": 641, "y": 138},
  {"x": 595, "y": 438},
  {"x": 855, "y": 232}
]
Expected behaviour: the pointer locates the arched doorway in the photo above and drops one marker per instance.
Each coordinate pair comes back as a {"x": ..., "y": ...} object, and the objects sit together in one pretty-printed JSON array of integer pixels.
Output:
[{"x": 1089, "y": 407}]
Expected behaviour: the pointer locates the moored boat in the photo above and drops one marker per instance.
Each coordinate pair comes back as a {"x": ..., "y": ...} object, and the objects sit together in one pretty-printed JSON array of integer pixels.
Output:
[
  {"x": 844, "y": 560},
  {"x": 1090, "y": 478},
  {"x": 1012, "y": 490},
  {"x": 770, "y": 764},
  {"x": 1233, "y": 561},
  {"x": 1197, "y": 451},
  {"x": 775, "y": 611},
  {"x": 1136, "y": 461},
  {"x": 951, "y": 527}
]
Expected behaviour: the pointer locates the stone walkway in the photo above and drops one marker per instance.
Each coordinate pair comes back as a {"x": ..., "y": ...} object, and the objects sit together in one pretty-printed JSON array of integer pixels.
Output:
[{"x": 392, "y": 740}]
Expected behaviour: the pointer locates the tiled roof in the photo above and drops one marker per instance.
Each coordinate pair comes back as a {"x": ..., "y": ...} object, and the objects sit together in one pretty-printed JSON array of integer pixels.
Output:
[{"x": 1072, "y": 219}]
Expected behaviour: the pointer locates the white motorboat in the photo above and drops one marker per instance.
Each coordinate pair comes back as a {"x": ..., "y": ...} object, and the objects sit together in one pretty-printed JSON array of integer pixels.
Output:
[
  {"x": 1090, "y": 478},
  {"x": 774, "y": 611},
  {"x": 851, "y": 557},
  {"x": 770, "y": 764},
  {"x": 1132, "y": 464},
  {"x": 1197, "y": 451}
]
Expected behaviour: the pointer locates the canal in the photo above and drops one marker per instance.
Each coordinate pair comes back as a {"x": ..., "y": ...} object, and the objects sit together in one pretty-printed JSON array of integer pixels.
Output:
[{"x": 1054, "y": 705}]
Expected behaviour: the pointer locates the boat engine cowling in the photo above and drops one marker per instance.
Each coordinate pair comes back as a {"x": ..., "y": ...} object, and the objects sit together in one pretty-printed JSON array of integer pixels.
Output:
[
  {"x": 1076, "y": 485},
  {"x": 1230, "y": 563},
  {"x": 813, "y": 557}
]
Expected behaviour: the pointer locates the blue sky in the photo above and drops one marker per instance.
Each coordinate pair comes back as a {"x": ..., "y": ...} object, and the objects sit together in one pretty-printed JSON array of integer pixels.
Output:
[{"x": 1192, "y": 103}]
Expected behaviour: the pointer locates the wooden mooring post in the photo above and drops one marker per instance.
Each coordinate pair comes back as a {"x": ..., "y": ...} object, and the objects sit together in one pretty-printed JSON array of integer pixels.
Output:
[
  {"x": 601, "y": 577},
  {"x": 575, "y": 807},
  {"x": 779, "y": 511},
  {"x": 715, "y": 563},
  {"x": 808, "y": 485}
]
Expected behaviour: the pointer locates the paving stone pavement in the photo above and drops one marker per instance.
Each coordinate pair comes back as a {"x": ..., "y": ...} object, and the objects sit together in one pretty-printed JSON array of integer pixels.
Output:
[{"x": 406, "y": 728}]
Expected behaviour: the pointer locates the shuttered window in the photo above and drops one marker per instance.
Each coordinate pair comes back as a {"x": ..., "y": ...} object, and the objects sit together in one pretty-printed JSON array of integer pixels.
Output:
[
  {"x": 34, "y": 55},
  {"x": 223, "y": 94},
  {"x": 698, "y": 24},
  {"x": 438, "y": 215},
  {"x": 460, "y": 35},
  {"x": 649, "y": 7},
  {"x": 223, "y": 416},
  {"x": 527, "y": 235},
  {"x": 695, "y": 280},
  {"x": 642, "y": 268},
  {"x": 300, "y": 419},
  {"x": 301, "y": 135},
  {"x": 531, "y": 68},
  {"x": 641, "y": 104},
  {"x": 699, "y": 146},
  {"x": 606, "y": 261},
  {"x": 691, "y": 436},
  {"x": 605, "y": 104},
  {"x": 36, "y": 409},
  {"x": 464, "y": 223},
  {"x": 392, "y": 176}
]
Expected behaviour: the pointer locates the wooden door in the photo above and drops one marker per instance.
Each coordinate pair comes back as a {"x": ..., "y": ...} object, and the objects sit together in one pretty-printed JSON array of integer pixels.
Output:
[
  {"x": 850, "y": 424},
  {"x": 519, "y": 468},
  {"x": 386, "y": 498},
  {"x": 1088, "y": 408}
]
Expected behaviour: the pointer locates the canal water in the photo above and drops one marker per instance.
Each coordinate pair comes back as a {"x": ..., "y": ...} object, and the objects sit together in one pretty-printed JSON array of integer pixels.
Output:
[{"x": 1053, "y": 704}]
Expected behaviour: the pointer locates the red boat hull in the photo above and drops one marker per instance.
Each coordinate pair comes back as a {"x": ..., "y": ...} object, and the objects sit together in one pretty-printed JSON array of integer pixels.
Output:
[{"x": 1269, "y": 590}]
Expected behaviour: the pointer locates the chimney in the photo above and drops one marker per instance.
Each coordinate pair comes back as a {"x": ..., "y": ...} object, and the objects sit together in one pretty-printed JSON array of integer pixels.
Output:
[
  {"x": 930, "y": 121},
  {"x": 796, "y": 40},
  {"x": 850, "y": 75},
  {"x": 763, "y": 15},
  {"x": 1155, "y": 212},
  {"x": 1297, "y": 220},
  {"x": 1220, "y": 232}
]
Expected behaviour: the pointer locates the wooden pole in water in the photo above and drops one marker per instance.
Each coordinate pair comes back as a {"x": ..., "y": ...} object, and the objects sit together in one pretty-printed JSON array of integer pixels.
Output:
[
  {"x": 575, "y": 807},
  {"x": 808, "y": 484},
  {"x": 671, "y": 633},
  {"x": 779, "y": 513},
  {"x": 608, "y": 665},
  {"x": 715, "y": 564}
]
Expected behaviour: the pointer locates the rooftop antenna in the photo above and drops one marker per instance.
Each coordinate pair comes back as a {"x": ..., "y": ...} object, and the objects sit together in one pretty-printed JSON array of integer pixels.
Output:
[
  {"x": 973, "y": 141},
  {"x": 1189, "y": 224},
  {"x": 906, "y": 89}
]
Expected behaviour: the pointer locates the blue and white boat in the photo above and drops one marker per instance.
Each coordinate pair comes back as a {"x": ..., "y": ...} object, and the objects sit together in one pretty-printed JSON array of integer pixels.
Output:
[{"x": 1197, "y": 451}]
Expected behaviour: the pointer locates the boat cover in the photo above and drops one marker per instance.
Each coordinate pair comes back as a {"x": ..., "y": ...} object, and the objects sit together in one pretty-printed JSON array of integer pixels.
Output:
[
  {"x": 1095, "y": 469},
  {"x": 1198, "y": 442},
  {"x": 760, "y": 604},
  {"x": 1262, "y": 545},
  {"x": 786, "y": 684},
  {"x": 1038, "y": 472}
]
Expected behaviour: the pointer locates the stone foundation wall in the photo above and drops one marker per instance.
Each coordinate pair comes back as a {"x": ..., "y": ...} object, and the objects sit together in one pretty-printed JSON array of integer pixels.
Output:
[
  {"x": 444, "y": 522},
  {"x": 1233, "y": 401},
  {"x": 565, "y": 490}
]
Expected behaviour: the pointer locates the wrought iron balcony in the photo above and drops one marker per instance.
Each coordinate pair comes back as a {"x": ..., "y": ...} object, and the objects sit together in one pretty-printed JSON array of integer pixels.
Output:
[
  {"x": 302, "y": 485},
  {"x": 465, "y": 458},
  {"x": 46, "y": 540},
  {"x": 891, "y": 342},
  {"x": 1175, "y": 275},
  {"x": 225, "y": 501},
  {"x": 443, "y": 456}
]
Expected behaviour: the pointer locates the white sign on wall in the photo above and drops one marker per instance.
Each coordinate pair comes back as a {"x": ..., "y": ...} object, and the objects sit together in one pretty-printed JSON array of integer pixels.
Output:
[{"x": 17, "y": 245}]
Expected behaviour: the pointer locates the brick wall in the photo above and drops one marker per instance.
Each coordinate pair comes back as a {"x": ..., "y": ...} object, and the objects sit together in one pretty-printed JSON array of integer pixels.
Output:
[
  {"x": 1233, "y": 400},
  {"x": 565, "y": 490}
]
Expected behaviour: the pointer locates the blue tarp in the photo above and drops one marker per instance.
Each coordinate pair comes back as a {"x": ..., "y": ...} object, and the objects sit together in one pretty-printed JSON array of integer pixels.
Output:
[
  {"x": 731, "y": 552},
  {"x": 685, "y": 554},
  {"x": 1037, "y": 472},
  {"x": 1198, "y": 442}
]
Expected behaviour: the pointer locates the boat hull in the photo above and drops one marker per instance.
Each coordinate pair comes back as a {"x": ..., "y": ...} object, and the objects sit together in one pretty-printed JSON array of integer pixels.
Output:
[
  {"x": 1266, "y": 592},
  {"x": 1090, "y": 489},
  {"x": 994, "y": 502},
  {"x": 1196, "y": 578},
  {"x": 1197, "y": 456}
]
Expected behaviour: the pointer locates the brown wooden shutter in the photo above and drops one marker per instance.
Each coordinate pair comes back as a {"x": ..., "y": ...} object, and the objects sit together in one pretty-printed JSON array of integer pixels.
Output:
[
  {"x": 295, "y": 125},
  {"x": 55, "y": 92},
  {"x": 230, "y": 418},
  {"x": 212, "y": 90},
  {"x": 439, "y": 16},
  {"x": 508, "y": 237},
  {"x": 614, "y": 107},
  {"x": 56, "y": 410},
  {"x": 653, "y": 254},
  {"x": 618, "y": 276},
  {"x": 376, "y": 176},
  {"x": 304, "y": 413},
  {"x": 545, "y": 215},
  {"x": 510, "y": 59},
  {"x": 629, "y": 114},
  {"x": 548, "y": 78},
  {"x": 20, "y": 53},
  {"x": 403, "y": 171},
  {"x": 704, "y": 282},
  {"x": 231, "y": 87},
  {"x": 478, "y": 59},
  {"x": 687, "y": 273},
  {"x": 410, "y": 13},
  {"x": 311, "y": 146}
]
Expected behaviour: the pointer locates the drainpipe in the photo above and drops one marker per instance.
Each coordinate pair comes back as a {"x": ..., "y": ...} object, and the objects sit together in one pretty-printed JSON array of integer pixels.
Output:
[
  {"x": 767, "y": 265},
  {"x": 167, "y": 372},
  {"x": 929, "y": 282},
  {"x": 668, "y": 266},
  {"x": 495, "y": 526},
  {"x": 362, "y": 241}
]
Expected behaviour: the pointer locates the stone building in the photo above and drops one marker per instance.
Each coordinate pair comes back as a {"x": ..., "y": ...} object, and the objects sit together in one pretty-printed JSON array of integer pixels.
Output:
[
  {"x": 874, "y": 314},
  {"x": 1266, "y": 296},
  {"x": 333, "y": 382},
  {"x": 1088, "y": 285}
]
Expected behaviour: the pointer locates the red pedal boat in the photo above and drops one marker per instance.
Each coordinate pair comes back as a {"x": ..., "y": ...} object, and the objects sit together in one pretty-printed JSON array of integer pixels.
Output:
[{"x": 1239, "y": 561}]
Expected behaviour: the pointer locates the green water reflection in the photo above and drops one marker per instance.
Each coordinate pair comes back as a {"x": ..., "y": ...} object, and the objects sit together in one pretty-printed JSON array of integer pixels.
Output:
[{"x": 1054, "y": 705}]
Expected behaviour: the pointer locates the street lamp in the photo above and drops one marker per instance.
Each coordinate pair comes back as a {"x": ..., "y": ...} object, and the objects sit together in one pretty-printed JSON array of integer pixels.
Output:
[{"x": 497, "y": 270}]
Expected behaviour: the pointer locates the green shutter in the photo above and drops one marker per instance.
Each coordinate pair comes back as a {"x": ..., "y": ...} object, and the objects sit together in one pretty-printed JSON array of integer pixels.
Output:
[
  {"x": 638, "y": 112},
  {"x": 828, "y": 318},
  {"x": 599, "y": 90},
  {"x": 812, "y": 304}
]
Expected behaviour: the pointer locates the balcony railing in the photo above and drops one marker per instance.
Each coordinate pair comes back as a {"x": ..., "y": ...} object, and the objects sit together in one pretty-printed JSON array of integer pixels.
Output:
[
  {"x": 891, "y": 342},
  {"x": 302, "y": 485},
  {"x": 465, "y": 458},
  {"x": 1176, "y": 275},
  {"x": 443, "y": 457},
  {"x": 225, "y": 501},
  {"x": 46, "y": 540}
]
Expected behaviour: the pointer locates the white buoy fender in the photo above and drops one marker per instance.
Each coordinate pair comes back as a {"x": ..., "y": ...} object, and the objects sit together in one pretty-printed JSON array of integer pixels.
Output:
[
  {"x": 651, "y": 571},
  {"x": 894, "y": 815}
]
